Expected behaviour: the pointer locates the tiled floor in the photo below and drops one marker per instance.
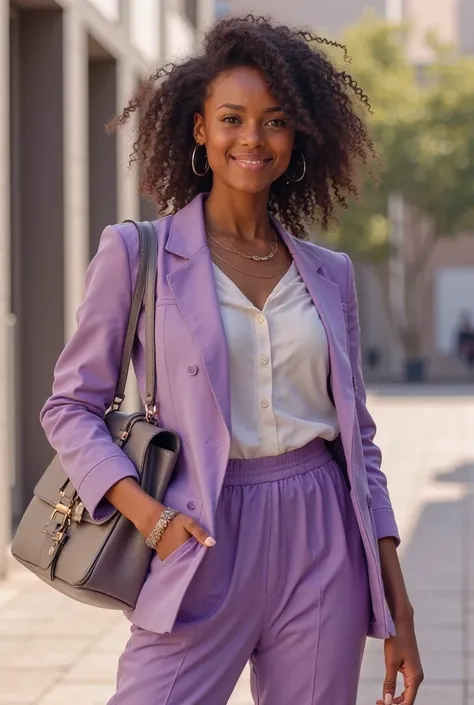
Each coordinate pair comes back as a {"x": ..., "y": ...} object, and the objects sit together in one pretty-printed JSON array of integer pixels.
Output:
[{"x": 55, "y": 652}]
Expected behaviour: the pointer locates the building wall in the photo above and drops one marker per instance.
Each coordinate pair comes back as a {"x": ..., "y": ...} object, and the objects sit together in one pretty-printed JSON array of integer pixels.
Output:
[
  {"x": 457, "y": 256},
  {"x": 6, "y": 357},
  {"x": 426, "y": 17},
  {"x": 465, "y": 24},
  {"x": 328, "y": 17}
]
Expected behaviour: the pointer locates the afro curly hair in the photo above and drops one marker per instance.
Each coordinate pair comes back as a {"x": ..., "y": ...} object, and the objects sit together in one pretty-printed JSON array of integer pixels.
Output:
[{"x": 325, "y": 105}]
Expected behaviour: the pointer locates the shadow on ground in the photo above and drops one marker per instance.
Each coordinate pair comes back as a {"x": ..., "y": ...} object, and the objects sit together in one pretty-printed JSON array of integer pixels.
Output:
[{"x": 438, "y": 565}]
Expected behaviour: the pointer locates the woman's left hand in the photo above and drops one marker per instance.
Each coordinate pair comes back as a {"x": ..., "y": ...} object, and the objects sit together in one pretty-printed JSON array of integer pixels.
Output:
[{"x": 402, "y": 655}]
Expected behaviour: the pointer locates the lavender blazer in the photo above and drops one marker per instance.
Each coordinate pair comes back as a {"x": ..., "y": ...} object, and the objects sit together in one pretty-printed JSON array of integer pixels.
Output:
[{"x": 194, "y": 396}]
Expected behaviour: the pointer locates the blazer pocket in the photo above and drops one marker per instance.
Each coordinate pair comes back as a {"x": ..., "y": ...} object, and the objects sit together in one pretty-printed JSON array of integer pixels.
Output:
[{"x": 178, "y": 552}]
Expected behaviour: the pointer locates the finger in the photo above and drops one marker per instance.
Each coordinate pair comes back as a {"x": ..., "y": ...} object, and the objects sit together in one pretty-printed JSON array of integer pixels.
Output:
[
  {"x": 193, "y": 528},
  {"x": 390, "y": 682},
  {"x": 388, "y": 700}
]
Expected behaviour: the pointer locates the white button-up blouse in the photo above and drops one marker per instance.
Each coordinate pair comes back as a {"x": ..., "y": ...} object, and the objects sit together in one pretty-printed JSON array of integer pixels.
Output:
[{"x": 279, "y": 366}]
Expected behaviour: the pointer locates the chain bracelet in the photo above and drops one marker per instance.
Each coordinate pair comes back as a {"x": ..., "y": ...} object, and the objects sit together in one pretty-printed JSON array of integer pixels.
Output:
[{"x": 158, "y": 530}]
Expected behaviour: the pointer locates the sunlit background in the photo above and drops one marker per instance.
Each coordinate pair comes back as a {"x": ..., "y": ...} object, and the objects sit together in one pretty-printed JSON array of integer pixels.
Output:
[{"x": 67, "y": 66}]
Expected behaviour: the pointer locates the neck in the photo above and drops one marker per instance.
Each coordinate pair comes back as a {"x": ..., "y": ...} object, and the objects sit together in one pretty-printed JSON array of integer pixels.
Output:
[{"x": 241, "y": 215}]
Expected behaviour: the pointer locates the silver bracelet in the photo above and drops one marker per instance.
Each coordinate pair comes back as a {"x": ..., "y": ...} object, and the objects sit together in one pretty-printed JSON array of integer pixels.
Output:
[{"x": 158, "y": 530}]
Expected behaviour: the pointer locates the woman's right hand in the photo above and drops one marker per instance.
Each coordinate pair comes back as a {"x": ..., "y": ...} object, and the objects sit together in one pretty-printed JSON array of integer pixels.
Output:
[
  {"x": 178, "y": 531},
  {"x": 144, "y": 512}
]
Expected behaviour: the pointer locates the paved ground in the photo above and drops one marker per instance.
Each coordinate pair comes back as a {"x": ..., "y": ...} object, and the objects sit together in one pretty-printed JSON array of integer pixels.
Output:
[{"x": 53, "y": 651}]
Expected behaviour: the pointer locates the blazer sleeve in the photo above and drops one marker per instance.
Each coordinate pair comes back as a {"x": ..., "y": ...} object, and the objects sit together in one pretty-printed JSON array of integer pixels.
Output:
[
  {"x": 384, "y": 517},
  {"x": 85, "y": 379}
]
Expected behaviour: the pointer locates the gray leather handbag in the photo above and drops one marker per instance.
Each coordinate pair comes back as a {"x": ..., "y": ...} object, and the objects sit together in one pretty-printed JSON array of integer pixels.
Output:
[{"x": 104, "y": 563}]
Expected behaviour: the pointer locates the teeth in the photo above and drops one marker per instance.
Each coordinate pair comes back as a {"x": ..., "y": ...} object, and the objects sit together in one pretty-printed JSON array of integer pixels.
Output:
[{"x": 251, "y": 161}]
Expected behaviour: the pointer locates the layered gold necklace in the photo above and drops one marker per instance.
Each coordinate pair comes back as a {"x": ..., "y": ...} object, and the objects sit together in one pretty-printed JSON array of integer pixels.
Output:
[
  {"x": 235, "y": 251},
  {"x": 255, "y": 258}
]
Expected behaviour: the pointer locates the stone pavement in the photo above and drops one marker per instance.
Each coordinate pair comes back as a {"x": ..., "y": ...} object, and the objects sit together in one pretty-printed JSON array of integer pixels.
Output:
[{"x": 54, "y": 651}]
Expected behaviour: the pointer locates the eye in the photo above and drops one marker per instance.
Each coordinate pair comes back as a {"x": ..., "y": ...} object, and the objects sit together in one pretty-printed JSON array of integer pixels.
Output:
[
  {"x": 277, "y": 122},
  {"x": 231, "y": 119}
]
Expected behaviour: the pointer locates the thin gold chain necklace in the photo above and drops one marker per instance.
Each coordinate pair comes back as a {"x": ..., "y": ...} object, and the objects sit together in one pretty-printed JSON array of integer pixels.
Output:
[
  {"x": 237, "y": 269},
  {"x": 235, "y": 251}
]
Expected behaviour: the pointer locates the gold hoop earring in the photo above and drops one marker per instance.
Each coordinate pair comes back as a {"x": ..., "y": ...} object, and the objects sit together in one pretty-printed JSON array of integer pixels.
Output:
[
  {"x": 292, "y": 179},
  {"x": 193, "y": 161}
]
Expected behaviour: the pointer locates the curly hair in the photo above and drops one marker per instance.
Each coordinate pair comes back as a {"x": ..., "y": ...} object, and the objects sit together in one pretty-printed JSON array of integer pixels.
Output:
[{"x": 325, "y": 105}]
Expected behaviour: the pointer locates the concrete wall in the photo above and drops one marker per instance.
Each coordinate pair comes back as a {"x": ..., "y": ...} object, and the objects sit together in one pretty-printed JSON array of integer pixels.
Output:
[
  {"x": 37, "y": 242},
  {"x": 7, "y": 456}
]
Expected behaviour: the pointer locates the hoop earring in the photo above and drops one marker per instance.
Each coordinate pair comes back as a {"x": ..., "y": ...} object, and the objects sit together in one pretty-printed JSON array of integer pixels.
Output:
[
  {"x": 193, "y": 161},
  {"x": 296, "y": 181}
]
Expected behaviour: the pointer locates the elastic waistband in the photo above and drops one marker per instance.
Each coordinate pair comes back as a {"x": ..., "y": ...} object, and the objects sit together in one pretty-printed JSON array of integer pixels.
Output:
[{"x": 278, "y": 467}]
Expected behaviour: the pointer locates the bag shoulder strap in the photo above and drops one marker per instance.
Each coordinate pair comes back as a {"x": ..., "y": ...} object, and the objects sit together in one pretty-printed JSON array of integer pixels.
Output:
[
  {"x": 144, "y": 293},
  {"x": 150, "y": 340}
]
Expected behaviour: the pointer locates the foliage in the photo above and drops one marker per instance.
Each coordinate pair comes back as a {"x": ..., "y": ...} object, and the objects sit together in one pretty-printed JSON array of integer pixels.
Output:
[{"x": 422, "y": 125}]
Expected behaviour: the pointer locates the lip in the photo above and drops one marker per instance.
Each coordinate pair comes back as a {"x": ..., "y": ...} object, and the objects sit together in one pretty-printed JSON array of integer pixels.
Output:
[{"x": 251, "y": 162}]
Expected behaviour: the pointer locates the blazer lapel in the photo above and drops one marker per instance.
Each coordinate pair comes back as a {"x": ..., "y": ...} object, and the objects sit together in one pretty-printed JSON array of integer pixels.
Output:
[
  {"x": 327, "y": 299},
  {"x": 193, "y": 287}
]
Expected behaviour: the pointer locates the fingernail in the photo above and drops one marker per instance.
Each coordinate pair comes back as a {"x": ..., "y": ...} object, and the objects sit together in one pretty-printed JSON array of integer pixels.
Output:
[
  {"x": 388, "y": 699},
  {"x": 210, "y": 542}
]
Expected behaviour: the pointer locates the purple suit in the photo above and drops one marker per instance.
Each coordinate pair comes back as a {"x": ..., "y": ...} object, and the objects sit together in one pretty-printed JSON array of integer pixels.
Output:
[{"x": 193, "y": 393}]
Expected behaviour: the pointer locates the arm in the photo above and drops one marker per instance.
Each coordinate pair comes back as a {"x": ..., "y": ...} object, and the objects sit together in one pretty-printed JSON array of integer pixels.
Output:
[
  {"x": 401, "y": 652},
  {"x": 84, "y": 385},
  {"x": 387, "y": 531},
  {"x": 85, "y": 379},
  {"x": 383, "y": 513}
]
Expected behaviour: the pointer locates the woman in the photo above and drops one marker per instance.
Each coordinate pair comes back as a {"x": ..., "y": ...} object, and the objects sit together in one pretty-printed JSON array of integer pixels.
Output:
[{"x": 278, "y": 528}]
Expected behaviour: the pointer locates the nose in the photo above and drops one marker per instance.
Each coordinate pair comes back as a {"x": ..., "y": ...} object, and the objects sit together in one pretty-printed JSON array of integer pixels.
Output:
[{"x": 252, "y": 135}]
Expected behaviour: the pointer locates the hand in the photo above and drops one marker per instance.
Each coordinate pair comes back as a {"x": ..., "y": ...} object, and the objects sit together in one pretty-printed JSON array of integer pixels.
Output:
[
  {"x": 401, "y": 654},
  {"x": 178, "y": 531}
]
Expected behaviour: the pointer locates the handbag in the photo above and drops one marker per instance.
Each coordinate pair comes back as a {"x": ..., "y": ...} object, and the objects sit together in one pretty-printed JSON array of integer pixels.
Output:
[{"x": 104, "y": 563}]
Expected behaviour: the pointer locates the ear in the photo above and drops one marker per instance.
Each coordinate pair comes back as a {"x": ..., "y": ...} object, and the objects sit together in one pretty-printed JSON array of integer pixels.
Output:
[{"x": 199, "y": 129}]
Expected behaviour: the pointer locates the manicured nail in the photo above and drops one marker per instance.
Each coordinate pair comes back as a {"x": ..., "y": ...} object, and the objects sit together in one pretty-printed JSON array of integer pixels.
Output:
[
  {"x": 212, "y": 542},
  {"x": 388, "y": 699}
]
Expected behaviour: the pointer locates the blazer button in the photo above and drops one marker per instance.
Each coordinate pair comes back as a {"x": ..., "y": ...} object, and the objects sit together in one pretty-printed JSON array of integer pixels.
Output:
[
  {"x": 191, "y": 506},
  {"x": 192, "y": 370}
]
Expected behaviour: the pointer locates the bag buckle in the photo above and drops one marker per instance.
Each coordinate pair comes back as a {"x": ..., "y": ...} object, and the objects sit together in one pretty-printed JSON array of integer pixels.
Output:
[
  {"x": 150, "y": 411},
  {"x": 62, "y": 515}
]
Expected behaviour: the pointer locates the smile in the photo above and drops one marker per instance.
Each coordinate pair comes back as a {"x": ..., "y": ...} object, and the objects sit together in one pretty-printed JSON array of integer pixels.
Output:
[{"x": 252, "y": 164}]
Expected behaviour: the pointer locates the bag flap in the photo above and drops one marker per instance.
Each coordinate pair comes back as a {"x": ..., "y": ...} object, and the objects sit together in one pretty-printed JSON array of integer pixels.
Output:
[
  {"x": 52, "y": 481},
  {"x": 135, "y": 446},
  {"x": 118, "y": 422}
]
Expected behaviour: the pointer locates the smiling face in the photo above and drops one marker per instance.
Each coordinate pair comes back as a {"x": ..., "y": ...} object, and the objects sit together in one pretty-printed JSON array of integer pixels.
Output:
[{"x": 248, "y": 138}]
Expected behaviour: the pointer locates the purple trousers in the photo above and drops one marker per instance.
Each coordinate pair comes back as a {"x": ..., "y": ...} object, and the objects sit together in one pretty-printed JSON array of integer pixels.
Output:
[{"x": 285, "y": 587}]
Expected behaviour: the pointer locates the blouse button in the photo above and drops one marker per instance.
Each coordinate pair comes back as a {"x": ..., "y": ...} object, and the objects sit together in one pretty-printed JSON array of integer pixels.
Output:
[
  {"x": 191, "y": 506},
  {"x": 192, "y": 370},
  {"x": 264, "y": 403},
  {"x": 263, "y": 359},
  {"x": 261, "y": 318}
]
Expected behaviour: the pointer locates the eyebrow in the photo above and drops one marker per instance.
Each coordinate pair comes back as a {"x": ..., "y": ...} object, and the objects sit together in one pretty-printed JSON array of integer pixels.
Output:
[{"x": 242, "y": 108}]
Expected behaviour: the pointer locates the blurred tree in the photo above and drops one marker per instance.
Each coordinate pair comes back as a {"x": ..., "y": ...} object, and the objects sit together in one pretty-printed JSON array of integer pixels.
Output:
[{"x": 422, "y": 125}]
